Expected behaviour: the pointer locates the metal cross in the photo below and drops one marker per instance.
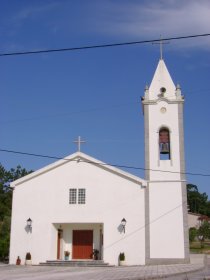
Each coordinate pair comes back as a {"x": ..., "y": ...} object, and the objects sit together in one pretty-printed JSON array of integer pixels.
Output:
[
  {"x": 161, "y": 42},
  {"x": 79, "y": 142}
]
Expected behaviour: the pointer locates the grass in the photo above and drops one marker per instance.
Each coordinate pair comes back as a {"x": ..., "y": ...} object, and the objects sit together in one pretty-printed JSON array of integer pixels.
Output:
[{"x": 195, "y": 247}]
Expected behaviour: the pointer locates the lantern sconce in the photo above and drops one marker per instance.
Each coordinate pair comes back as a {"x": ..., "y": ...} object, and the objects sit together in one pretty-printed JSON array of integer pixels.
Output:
[
  {"x": 29, "y": 224},
  {"x": 123, "y": 223}
]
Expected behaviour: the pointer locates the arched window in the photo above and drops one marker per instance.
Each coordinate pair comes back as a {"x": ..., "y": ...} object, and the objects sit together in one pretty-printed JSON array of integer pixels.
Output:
[{"x": 164, "y": 143}]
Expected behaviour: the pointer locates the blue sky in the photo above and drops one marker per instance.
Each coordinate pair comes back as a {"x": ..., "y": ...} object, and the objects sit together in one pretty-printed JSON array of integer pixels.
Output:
[{"x": 48, "y": 100}]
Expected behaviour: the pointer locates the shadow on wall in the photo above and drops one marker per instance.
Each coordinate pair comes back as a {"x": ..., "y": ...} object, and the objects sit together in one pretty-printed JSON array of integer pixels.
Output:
[
  {"x": 28, "y": 229},
  {"x": 120, "y": 228}
]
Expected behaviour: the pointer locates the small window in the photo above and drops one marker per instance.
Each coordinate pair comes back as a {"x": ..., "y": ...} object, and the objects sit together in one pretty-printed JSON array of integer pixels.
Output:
[
  {"x": 81, "y": 196},
  {"x": 72, "y": 196}
]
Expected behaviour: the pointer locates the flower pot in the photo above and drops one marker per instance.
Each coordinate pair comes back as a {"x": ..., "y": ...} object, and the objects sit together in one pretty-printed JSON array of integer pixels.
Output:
[
  {"x": 18, "y": 261},
  {"x": 66, "y": 258},
  {"x": 28, "y": 262},
  {"x": 122, "y": 263}
]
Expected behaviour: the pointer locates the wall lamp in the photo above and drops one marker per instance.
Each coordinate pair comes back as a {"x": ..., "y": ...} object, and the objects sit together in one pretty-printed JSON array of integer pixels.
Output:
[{"x": 123, "y": 223}]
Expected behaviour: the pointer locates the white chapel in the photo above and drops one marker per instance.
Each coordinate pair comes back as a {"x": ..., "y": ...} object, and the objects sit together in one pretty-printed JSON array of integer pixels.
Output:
[{"x": 84, "y": 207}]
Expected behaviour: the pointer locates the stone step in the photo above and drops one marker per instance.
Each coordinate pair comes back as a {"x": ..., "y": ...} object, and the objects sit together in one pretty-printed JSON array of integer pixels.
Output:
[{"x": 86, "y": 263}]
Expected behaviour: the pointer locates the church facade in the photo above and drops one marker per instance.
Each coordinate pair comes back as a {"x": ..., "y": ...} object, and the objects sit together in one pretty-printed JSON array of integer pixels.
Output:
[{"x": 84, "y": 208}]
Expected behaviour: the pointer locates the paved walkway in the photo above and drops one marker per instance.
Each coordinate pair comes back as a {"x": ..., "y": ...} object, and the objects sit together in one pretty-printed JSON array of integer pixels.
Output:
[{"x": 8, "y": 272}]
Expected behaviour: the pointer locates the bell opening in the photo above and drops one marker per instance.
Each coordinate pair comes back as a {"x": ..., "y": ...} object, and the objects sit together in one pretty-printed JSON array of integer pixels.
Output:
[{"x": 164, "y": 144}]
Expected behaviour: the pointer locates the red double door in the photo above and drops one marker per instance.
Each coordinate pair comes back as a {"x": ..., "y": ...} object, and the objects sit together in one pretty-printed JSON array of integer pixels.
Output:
[{"x": 82, "y": 244}]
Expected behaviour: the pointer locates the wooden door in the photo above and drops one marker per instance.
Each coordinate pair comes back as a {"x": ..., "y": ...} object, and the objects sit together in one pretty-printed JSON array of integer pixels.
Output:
[{"x": 82, "y": 244}]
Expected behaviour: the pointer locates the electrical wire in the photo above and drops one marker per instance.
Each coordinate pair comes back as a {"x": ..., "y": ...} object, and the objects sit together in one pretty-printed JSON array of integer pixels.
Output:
[
  {"x": 70, "y": 114},
  {"x": 85, "y": 111},
  {"x": 114, "y": 165},
  {"x": 104, "y": 45},
  {"x": 133, "y": 232},
  {"x": 147, "y": 224},
  {"x": 104, "y": 164}
]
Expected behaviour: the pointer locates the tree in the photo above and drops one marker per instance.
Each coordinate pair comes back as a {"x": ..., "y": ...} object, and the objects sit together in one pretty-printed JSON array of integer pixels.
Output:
[
  {"x": 208, "y": 208},
  {"x": 6, "y": 177},
  {"x": 197, "y": 202},
  {"x": 193, "y": 232},
  {"x": 204, "y": 232}
]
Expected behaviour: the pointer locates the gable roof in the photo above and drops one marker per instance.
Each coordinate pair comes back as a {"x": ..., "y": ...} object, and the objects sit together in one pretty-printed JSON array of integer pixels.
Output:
[{"x": 79, "y": 157}]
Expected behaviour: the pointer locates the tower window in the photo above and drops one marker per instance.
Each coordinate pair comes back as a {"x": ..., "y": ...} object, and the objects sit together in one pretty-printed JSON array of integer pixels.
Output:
[{"x": 164, "y": 144}]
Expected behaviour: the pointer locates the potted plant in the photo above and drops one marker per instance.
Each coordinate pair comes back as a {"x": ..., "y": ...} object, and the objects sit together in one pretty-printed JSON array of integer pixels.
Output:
[
  {"x": 122, "y": 259},
  {"x": 95, "y": 254},
  {"x": 66, "y": 255},
  {"x": 28, "y": 259}
]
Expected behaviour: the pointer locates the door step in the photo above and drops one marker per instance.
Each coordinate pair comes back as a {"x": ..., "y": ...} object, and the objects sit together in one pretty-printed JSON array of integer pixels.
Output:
[{"x": 75, "y": 263}]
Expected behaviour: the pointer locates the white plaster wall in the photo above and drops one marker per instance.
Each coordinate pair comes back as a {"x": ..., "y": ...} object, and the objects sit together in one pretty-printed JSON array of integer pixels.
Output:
[
  {"x": 165, "y": 187},
  {"x": 169, "y": 120},
  {"x": 193, "y": 220},
  {"x": 166, "y": 220},
  {"x": 109, "y": 198}
]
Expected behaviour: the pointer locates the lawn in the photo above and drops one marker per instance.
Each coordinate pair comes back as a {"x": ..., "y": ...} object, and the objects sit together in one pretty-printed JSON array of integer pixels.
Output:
[{"x": 195, "y": 247}]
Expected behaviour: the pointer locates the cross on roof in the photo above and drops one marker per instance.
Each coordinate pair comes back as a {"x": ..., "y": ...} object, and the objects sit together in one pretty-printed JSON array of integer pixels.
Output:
[
  {"x": 79, "y": 142},
  {"x": 161, "y": 42}
]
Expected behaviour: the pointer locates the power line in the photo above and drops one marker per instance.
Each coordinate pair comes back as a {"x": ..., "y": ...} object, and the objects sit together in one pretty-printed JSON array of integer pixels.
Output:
[
  {"x": 104, "y": 45},
  {"x": 147, "y": 224},
  {"x": 31, "y": 154},
  {"x": 85, "y": 111},
  {"x": 138, "y": 229},
  {"x": 104, "y": 164},
  {"x": 70, "y": 114}
]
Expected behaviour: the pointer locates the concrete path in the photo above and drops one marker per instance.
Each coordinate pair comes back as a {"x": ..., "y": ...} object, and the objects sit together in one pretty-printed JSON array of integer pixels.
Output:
[{"x": 8, "y": 272}]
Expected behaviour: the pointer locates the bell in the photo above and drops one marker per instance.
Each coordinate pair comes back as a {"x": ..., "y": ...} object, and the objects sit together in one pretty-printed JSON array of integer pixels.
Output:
[{"x": 164, "y": 148}]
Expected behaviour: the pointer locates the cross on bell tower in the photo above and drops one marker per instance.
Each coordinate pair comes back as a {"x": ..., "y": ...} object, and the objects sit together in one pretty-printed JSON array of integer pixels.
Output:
[
  {"x": 79, "y": 142},
  {"x": 161, "y": 42}
]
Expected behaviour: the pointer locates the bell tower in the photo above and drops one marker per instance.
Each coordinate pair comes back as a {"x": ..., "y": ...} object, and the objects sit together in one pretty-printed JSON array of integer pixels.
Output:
[{"x": 166, "y": 231}]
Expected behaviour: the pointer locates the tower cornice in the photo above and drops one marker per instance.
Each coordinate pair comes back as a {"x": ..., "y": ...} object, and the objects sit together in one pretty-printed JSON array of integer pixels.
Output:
[{"x": 156, "y": 101}]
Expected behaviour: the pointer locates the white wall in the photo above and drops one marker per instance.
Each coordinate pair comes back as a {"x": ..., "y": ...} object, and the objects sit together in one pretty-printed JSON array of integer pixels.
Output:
[
  {"x": 109, "y": 198},
  {"x": 156, "y": 121},
  {"x": 166, "y": 220},
  {"x": 165, "y": 188},
  {"x": 166, "y": 203}
]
